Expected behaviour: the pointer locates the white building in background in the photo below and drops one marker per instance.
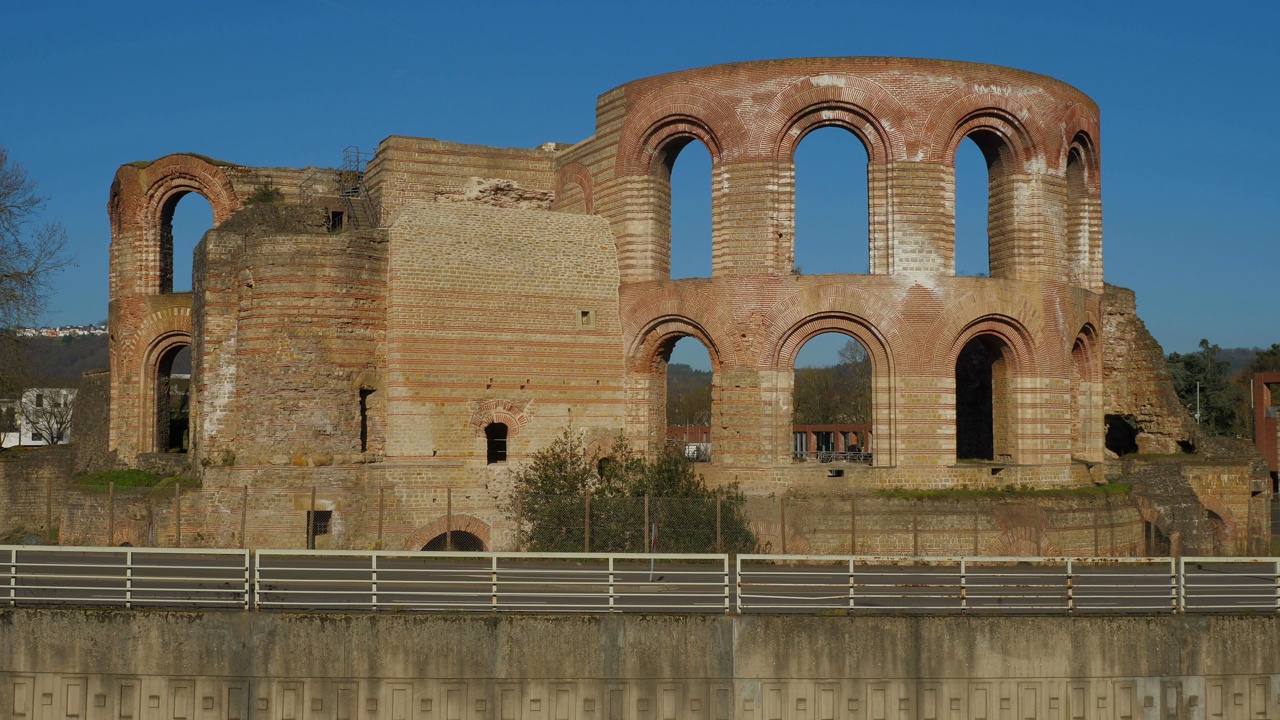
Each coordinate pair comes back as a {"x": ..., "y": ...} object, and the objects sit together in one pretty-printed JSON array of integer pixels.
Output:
[{"x": 42, "y": 416}]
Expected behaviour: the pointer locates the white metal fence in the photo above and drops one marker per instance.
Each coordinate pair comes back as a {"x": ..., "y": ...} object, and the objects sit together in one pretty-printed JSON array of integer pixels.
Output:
[{"x": 633, "y": 582}]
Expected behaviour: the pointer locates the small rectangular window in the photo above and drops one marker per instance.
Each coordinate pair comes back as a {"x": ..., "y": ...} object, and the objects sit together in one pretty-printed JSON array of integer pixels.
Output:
[
  {"x": 317, "y": 524},
  {"x": 337, "y": 220},
  {"x": 586, "y": 319}
]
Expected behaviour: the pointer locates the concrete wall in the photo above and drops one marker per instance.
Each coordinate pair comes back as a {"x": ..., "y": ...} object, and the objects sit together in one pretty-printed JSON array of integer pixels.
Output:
[{"x": 242, "y": 666}]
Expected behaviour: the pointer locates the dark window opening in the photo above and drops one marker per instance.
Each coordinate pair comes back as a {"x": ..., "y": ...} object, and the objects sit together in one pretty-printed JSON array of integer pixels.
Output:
[
  {"x": 455, "y": 541},
  {"x": 337, "y": 220},
  {"x": 318, "y": 523},
  {"x": 978, "y": 372},
  {"x": 364, "y": 420},
  {"x": 1122, "y": 434},
  {"x": 825, "y": 440},
  {"x": 496, "y": 439},
  {"x": 1187, "y": 447}
]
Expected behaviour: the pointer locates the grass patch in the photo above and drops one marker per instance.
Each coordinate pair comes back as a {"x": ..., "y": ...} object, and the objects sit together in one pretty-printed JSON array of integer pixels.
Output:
[
  {"x": 1008, "y": 492},
  {"x": 121, "y": 478}
]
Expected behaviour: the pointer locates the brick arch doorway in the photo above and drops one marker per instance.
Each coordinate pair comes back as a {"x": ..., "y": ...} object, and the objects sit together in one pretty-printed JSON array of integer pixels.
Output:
[
  {"x": 456, "y": 541},
  {"x": 466, "y": 530}
]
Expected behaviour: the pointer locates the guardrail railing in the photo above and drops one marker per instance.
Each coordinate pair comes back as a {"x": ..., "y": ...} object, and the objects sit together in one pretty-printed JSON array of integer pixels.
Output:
[
  {"x": 127, "y": 577},
  {"x": 319, "y": 580},
  {"x": 492, "y": 582}
]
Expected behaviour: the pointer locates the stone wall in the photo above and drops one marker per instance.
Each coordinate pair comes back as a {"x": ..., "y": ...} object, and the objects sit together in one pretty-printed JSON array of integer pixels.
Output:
[
  {"x": 91, "y": 423},
  {"x": 156, "y": 665},
  {"x": 32, "y": 488},
  {"x": 1136, "y": 380}
]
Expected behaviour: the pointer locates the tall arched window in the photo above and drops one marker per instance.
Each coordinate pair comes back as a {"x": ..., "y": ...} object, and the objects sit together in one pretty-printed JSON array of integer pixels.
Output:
[
  {"x": 984, "y": 401},
  {"x": 832, "y": 399},
  {"x": 985, "y": 212},
  {"x": 183, "y": 222},
  {"x": 495, "y": 435},
  {"x": 1078, "y": 220},
  {"x": 689, "y": 385},
  {"x": 173, "y": 400},
  {"x": 831, "y": 217},
  {"x": 689, "y": 166}
]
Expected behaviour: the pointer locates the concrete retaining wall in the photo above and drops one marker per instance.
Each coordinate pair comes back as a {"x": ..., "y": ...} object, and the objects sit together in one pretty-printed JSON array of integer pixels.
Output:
[{"x": 242, "y": 666}]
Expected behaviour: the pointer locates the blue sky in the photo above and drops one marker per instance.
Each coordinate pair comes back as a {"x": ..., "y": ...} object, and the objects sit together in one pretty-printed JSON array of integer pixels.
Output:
[{"x": 1188, "y": 91}]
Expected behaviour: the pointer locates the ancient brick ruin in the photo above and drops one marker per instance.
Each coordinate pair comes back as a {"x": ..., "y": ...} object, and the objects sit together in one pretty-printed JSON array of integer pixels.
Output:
[{"x": 426, "y": 321}]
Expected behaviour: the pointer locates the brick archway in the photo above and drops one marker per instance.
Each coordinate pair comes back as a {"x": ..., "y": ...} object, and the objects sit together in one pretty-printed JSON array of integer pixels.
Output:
[
  {"x": 456, "y": 522},
  {"x": 499, "y": 411}
]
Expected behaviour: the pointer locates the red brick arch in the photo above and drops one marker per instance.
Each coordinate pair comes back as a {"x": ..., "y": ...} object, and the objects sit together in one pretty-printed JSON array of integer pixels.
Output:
[
  {"x": 882, "y": 372},
  {"x": 456, "y": 522},
  {"x": 680, "y": 110},
  {"x": 147, "y": 385},
  {"x": 840, "y": 100},
  {"x": 155, "y": 188},
  {"x": 499, "y": 411},
  {"x": 949, "y": 124},
  {"x": 575, "y": 173},
  {"x": 1008, "y": 330}
]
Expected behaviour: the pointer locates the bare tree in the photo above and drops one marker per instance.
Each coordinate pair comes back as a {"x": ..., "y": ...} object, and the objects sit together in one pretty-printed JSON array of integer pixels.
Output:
[
  {"x": 31, "y": 253},
  {"x": 46, "y": 413}
]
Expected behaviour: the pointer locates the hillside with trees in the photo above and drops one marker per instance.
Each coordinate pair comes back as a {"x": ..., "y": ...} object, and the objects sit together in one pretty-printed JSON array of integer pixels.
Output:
[
  {"x": 60, "y": 361},
  {"x": 1221, "y": 377}
]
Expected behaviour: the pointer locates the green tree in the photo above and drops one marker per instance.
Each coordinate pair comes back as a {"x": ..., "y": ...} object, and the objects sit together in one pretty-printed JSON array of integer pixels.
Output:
[
  {"x": 1220, "y": 400},
  {"x": 551, "y": 495},
  {"x": 688, "y": 395}
]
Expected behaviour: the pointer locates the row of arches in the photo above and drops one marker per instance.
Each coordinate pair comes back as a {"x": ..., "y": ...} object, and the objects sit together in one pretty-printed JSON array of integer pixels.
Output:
[
  {"x": 835, "y": 208},
  {"x": 988, "y": 362}
]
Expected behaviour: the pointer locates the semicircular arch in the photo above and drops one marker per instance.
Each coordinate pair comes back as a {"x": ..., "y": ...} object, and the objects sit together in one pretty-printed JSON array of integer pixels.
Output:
[
  {"x": 847, "y": 101},
  {"x": 676, "y": 111},
  {"x": 458, "y": 522},
  {"x": 950, "y": 123}
]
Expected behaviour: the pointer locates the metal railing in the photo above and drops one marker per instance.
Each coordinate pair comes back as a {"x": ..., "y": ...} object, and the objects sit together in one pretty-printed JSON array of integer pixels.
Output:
[
  {"x": 311, "y": 580},
  {"x": 1005, "y": 585},
  {"x": 127, "y": 577},
  {"x": 492, "y": 582},
  {"x": 826, "y": 456}
]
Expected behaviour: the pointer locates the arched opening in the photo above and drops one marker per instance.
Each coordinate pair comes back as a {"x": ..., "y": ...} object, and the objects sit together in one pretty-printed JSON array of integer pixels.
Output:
[
  {"x": 688, "y": 381},
  {"x": 1077, "y": 218},
  {"x": 495, "y": 435},
  {"x": 688, "y": 166},
  {"x": 182, "y": 225},
  {"x": 1081, "y": 391},
  {"x": 173, "y": 400},
  {"x": 984, "y": 402},
  {"x": 454, "y": 541},
  {"x": 832, "y": 400},
  {"x": 984, "y": 206},
  {"x": 1218, "y": 536},
  {"x": 832, "y": 223},
  {"x": 1122, "y": 434}
]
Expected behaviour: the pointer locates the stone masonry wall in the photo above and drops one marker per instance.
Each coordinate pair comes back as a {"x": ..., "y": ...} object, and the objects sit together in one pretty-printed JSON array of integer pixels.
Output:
[
  {"x": 33, "y": 486},
  {"x": 154, "y": 665},
  {"x": 1136, "y": 378}
]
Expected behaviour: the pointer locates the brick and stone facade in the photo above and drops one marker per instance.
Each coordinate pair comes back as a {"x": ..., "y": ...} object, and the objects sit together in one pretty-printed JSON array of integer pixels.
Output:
[{"x": 530, "y": 289}]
